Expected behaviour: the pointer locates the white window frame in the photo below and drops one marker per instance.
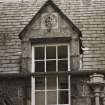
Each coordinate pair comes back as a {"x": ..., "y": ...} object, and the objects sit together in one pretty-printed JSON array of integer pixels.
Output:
[{"x": 33, "y": 71}]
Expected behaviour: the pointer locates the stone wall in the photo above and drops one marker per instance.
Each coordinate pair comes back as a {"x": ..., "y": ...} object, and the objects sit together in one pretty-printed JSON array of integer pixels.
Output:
[
  {"x": 19, "y": 91},
  {"x": 80, "y": 91}
]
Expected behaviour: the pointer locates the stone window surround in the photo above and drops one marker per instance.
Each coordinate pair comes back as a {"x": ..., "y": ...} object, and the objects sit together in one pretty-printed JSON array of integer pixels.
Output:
[{"x": 27, "y": 46}]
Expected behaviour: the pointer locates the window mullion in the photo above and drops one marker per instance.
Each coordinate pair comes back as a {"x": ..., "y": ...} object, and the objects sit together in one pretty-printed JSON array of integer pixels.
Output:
[
  {"x": 69, "y": 90},
  {"x": 57, "y": 89},
  {"x": 45, "y": 58},
  {"x": 45, "y": 76},
  {"x": 33, "y": 79},
  {"x": 68, "y": 58},
  {"x": 69, "y": 81},
  {"x": 32, "y": 91},
  {"x": 33, "y": 61},
  {"x": 57, "y": 70},
  {"x": 56, "y": 58},
  {"x": 45, "y": 90}
]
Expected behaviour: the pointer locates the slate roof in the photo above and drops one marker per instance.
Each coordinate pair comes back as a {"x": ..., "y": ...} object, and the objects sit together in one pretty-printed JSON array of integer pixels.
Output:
[{"x": 87, "y": 15}]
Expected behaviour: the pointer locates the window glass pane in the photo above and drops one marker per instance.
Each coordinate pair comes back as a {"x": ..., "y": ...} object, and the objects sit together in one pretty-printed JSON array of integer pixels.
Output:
[
  {"x": 51, "y": 52},
  {"x": 51, "y": 97},
  {"x": 62, "y": 52},
  {"x": 39, "y": 83},
  {"x": 39, "y": 53},
  {"x": 63, "y": 97},
  {"x": 39, "y": 66},
  {"x": 63, "y": 82},
  {"x": 51, "y": 82},
  {"x": 50, "y": 66},
  {"x": 39, "y": 98},
  {"x": 62, "y": 65}
]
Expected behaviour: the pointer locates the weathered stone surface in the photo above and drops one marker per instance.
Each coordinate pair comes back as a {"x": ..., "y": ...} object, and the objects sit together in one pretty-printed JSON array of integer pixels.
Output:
[{"x": 80, "y": 91}]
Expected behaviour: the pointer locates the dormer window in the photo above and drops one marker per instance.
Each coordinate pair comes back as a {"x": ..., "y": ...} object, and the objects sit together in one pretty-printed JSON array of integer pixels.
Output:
[{"x": 51, "y": 89}]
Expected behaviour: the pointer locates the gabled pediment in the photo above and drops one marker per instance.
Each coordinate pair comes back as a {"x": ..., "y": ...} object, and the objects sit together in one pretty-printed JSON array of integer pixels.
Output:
[{"x": 49, "y": 22}]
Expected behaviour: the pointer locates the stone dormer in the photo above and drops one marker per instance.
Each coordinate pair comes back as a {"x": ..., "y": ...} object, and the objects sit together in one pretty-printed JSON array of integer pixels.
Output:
[{"x": 50, "y": 25}]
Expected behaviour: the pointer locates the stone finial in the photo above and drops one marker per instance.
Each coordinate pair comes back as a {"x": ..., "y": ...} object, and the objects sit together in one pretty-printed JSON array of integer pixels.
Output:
[{"x": 97, "y": 82}]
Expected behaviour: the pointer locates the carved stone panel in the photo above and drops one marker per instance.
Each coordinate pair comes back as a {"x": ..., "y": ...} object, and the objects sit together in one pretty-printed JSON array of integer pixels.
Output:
[{"x": 49, "y": 21}]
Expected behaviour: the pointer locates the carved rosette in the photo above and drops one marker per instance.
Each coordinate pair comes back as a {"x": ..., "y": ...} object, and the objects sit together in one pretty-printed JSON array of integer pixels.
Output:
[{"x": 49, "y": 21}]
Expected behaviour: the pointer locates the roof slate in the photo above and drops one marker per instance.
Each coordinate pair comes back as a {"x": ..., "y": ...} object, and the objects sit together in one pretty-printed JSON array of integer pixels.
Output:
[{"x": 87, "y": 15}]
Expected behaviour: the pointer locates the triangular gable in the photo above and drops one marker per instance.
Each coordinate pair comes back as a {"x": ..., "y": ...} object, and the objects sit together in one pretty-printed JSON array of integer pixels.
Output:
[{"x": 50, "y": 2}]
